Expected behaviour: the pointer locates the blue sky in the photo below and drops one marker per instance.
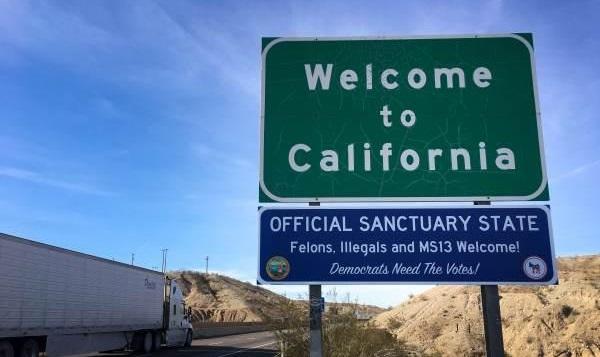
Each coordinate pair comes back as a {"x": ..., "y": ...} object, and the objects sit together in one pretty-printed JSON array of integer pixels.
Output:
[{"x": 131, "y": 126}]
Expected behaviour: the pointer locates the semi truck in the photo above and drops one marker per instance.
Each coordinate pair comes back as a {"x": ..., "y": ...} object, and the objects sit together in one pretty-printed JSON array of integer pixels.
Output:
[{"x": 61, "y": 302}]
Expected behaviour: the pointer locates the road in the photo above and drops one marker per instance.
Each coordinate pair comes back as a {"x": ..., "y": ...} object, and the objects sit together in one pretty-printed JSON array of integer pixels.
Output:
[{"x": 257, "y": 344}]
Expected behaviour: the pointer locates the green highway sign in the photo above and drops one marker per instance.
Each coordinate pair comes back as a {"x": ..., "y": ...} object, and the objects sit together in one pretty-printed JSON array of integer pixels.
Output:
[{"x": 400, "y": 119}]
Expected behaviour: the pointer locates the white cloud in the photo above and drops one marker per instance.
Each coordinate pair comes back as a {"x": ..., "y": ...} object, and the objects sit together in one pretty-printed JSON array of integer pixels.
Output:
[
  {"x": 37, "y": 178},
  {"x": 221, "y": 158},
  {"x": 576, "y": 171},
  {"x": 154, "y": 48},
  {"x": 24, "y": 220}
]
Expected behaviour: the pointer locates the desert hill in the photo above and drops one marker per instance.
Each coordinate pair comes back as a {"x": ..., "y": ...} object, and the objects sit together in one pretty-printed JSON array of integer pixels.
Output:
[
  {"x": 561, "y": 320},
  {"x": 218, "y": 298},
  {"x": 361, "y": 311}
]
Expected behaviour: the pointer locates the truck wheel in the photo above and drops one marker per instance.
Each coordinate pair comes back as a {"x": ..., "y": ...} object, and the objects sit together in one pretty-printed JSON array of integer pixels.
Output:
[
  {"x": 6, "y": 349},
  {"x": 147, "y": 343},
  {"x": 156, "y": 341},
  {"x": 30, "y": 348},
  {"x": 188, "y": 339}
]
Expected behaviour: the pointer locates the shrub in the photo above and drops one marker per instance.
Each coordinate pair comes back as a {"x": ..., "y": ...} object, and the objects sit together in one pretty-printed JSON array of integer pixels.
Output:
[
  {"x": 343, "y": 335},
  {"x": 566, "y": 310},
  {"x": 394, "y": 323},
  {"x": 346, "y": 336}
]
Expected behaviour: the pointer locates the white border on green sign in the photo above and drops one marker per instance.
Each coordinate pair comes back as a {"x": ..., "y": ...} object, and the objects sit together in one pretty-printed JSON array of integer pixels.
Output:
[{"x": 276, "y": 198}]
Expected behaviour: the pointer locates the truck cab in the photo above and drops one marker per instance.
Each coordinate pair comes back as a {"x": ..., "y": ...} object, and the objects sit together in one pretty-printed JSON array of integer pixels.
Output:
[{"x": 178, "y": 319}]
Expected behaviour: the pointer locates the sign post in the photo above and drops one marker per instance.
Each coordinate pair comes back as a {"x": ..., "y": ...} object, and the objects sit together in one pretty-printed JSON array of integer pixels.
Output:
[
  {"x": 315, "y": 315},
  {"x": 492, "y": 322},
  {"x": 315, "y": 324}
]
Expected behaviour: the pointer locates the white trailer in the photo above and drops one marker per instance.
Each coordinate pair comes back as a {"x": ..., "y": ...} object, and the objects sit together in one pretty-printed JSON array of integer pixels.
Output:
[{"x": 62, "y": 302}]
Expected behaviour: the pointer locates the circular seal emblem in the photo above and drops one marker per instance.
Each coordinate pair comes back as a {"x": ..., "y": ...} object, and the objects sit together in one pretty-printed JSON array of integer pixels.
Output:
[
  {"x": 535, "y": 267},
  {"x": 278, "y": 268}
]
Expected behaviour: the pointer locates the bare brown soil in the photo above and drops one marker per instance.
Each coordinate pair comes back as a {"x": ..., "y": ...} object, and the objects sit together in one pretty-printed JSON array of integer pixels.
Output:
[
  {"x": 561, "y": 320},
  {"x": 217, "y": 298}
]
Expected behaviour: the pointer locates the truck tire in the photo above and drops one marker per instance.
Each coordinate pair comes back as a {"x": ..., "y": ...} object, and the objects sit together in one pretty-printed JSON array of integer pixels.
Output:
[
  {"x": 137, "y": 342},
  {"x": 6, "y": 349},
  {"x": 188, "y": 339},
  {"x": 156, "y": 341},
  {"x": 29, "y": 348},
  {"x": 147, "y": 342}
]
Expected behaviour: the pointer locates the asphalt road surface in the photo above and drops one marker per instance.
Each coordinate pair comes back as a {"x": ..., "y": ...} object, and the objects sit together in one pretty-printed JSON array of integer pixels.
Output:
[{"x": 257, "y": 344}]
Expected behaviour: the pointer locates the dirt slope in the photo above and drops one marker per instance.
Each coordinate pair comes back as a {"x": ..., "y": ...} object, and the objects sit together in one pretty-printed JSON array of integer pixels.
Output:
[
  {"x": 361, "y": 311},
  {"x": 217, "y": 298},
  {"x": 561, "y": 320}
]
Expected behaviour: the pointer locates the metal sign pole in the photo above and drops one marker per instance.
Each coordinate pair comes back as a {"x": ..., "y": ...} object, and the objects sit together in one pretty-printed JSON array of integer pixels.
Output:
[
  {"x": 315, "y": 324},
  {"x": 316, "y": 327},
  {"x": 492, "y": 323}
]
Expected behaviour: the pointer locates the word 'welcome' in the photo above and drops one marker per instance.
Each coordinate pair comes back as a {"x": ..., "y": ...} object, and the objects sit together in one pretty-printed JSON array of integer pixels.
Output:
[{"x": 416, "y": 77}]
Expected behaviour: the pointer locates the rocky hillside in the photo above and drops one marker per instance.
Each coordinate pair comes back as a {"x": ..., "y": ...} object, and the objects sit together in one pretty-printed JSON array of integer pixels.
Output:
[
  {"x": 217, "y": 298},
  {"x": 562, "y": 320},
  {"x": 361, "y": 311}
]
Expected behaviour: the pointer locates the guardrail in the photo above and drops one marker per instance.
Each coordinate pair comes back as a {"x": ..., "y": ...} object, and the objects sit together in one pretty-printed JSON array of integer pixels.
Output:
[{"x": 204, "y": 329}]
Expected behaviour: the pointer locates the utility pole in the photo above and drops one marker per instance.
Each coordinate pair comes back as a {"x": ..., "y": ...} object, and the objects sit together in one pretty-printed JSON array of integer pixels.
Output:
[
  {"x": 132, "y": 258},
  {"x": 206, "y": 265},
  {"x": 164, "y": 261}
]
